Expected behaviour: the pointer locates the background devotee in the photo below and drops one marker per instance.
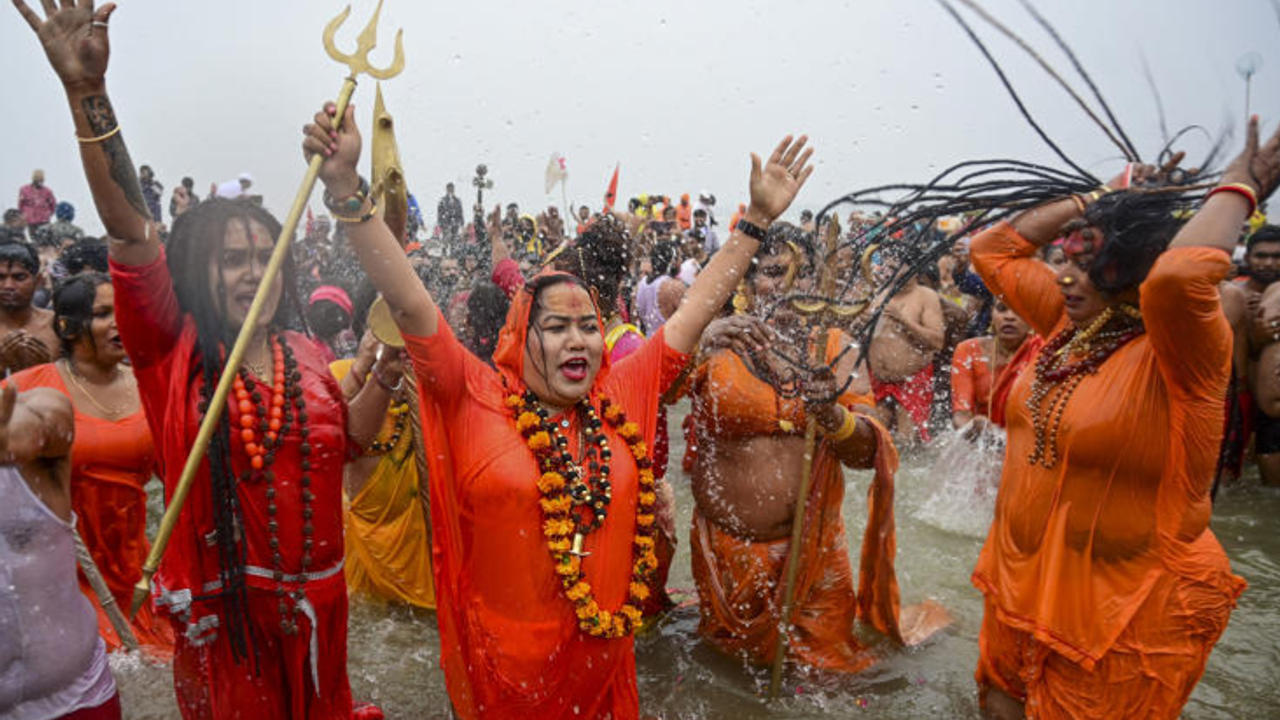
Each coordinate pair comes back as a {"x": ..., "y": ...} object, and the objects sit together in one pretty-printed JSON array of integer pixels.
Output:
[
  {"x": 537, "y": 594},
  {"x": 112, "y": 458},
  {"x": 1105, "y": 588},
  {"x": 252, "y": 581},
  {"x": 979, "y": 364},
  {"x": 26, "y": 332},
  {"x": 55, "y": 665}
]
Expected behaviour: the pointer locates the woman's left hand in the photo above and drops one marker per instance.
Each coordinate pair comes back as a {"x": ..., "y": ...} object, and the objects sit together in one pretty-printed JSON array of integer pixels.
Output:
[
  {"x": 819, "y": 394},
  {"x": 775, "y": 184}
]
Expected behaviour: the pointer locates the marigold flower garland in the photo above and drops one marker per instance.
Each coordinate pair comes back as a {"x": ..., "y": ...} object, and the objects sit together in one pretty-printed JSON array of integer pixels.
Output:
[{"x": 563, "y": 490}]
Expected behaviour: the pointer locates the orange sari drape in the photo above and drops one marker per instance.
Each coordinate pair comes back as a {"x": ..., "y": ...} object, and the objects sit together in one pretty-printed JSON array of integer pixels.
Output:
[
  {"x": 1105, "y": 588},
  {"x": 510, "y": 643}
]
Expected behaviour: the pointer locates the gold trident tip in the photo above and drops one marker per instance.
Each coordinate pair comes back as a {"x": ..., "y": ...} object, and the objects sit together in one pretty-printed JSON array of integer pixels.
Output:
[{"x": 365, "y": 42}]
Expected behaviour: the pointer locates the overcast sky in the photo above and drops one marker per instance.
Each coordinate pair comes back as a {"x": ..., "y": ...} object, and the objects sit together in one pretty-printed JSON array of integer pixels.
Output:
[{"x": 677, "y": 93}]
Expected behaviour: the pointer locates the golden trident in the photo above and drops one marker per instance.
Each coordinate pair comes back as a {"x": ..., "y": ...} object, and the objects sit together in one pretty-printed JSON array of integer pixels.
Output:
[{"x": 358, "y": 63}]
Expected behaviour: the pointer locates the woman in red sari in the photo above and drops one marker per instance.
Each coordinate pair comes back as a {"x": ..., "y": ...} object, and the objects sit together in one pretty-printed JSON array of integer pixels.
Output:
[
  {"x": 252, "y": 580},
  {"x": 540, "y": 476}
]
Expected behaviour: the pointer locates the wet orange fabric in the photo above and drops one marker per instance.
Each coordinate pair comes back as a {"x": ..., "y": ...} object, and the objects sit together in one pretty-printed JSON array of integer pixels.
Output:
[
  {"x": 510, "y": 643},
  {"x": 1109, "y": 551},
  {"x": 1018, "y": 364},
  {"x": 388, "y": 540},
  {"x": 740, "y": 581},
  {"x": 111, "y": 463},
  {"x": 972, "y": 375}
]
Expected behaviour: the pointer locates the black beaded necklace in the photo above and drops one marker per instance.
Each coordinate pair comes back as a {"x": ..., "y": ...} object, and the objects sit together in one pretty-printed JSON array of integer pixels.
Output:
[{"x": 589, "y": 486}]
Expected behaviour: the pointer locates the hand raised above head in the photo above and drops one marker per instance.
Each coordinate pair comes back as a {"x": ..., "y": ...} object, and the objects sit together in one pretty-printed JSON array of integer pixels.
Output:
[
  {"x": 775, "y": 183},
  {"x": 340, "y": 148},
  {"x": 74, "y": 37},
  {"x": 1257, "y": 167}
]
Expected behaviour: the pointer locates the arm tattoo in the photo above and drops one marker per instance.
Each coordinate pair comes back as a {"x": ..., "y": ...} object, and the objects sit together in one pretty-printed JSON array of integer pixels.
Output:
[{"x": 102, "y": 120}]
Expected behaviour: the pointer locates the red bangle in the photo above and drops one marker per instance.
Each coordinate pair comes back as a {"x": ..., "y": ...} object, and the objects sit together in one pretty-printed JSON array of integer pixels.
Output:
[{"x": 1240, "y": 189}]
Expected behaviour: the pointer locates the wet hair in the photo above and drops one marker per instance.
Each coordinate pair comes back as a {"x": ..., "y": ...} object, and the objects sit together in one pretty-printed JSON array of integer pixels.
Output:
[
  {"x": 663, "y": 259},
  {"x": 779, "y": 238},
  {"x": 13, "y": 251},
  {"x": 73, "y": 300},
  {"x": 487, "y": 307},
  {"x": 602, "y": 258},
  {"x": 194, "y": 244},
  {"x": 1264, "y": 234},
  {"x": 86, "y": 253},
  {"x": 1136, "y": 227}
]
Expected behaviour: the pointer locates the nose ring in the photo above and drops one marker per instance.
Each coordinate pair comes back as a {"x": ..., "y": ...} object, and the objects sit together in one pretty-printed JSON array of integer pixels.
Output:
[{"x": 1068, "y": 281}]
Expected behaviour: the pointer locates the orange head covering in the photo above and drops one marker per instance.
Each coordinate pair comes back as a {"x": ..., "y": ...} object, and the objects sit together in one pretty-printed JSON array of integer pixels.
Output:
[{"x": 508, "y": 356}]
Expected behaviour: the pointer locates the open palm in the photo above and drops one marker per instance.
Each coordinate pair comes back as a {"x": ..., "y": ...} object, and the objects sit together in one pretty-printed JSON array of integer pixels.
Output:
[
  {"x": 775, "y": 185},
  {"x": 74, "y": 37}
]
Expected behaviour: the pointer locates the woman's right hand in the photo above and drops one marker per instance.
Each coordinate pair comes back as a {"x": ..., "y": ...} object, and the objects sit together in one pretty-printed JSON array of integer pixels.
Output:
[
  {"x": 340, "y": 149},
  {"x": 74, "y": 38},
  {"x": 1257, "y": 167}
]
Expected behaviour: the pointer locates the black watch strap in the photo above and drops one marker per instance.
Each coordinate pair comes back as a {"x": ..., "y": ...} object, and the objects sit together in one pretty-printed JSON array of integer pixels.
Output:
[{"x": 750, "y": 229}]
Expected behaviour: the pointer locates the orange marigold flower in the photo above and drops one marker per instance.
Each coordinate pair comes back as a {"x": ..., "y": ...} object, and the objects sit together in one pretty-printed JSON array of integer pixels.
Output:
[
  {"x": 629, "y": 430},
  {"x": 647, "y": 499},
  {"x": 514, "y": 401},
  {"x": 554, "y": 528},
  {"x": 557, "y": 505},
  {"x": 645, "y": 520},
  {"x": 639, "y": 449},
  {"x": 550, "y": 482},
  {"x": 639, "y": 591},
  {"x": 527, "y": 420},
  {"x": 646, "y": 478},
  {"x": 588, "y": 609},
  {"x": 606, "y": 619},
  {"x": 570, "y": 567},
  {"x": 632, "y": 613},
  {"x": 561, "y": 545},
  {"x": 578, "y": 591},
  {"x": 539, "y": 441},
  {"x": 644, "y": 542},
  {"x": 612, "y": 412}
]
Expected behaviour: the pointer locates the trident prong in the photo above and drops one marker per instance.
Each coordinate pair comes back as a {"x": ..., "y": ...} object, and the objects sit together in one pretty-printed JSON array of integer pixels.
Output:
[{"x": 358, "y": 62}]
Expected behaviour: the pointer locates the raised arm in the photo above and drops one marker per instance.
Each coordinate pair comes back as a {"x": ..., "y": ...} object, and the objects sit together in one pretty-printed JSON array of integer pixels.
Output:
[
  {"x": 74, "y": 37},
  {"x": 380, "y": 254},
  {"x": 773, "y": 187},
  {"x": 1218, "y": 222}
]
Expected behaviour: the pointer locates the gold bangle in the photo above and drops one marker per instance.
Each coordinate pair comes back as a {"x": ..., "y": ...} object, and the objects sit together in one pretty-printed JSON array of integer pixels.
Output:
[
  {"x": 1080, "y": 206},
  {"x": 113, "y": 131},
  {"x": 847, "y": 428}
]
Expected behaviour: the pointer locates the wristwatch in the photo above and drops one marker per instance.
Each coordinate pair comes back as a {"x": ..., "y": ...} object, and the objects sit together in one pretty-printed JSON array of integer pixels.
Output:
[{"x": 750, "y": 229}]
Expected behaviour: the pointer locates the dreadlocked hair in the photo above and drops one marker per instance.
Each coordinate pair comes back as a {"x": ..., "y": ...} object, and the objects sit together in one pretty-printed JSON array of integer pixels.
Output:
[
  {"x": 602, "y": 258},
  {"x": 194, "y": 245},
  {"x": 1136, "y": 227},
  {"x": 784, "y": 237}
]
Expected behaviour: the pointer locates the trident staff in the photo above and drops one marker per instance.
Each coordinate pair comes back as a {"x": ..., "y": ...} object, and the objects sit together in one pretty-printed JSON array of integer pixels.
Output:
[{"x": 358, "y": 63}]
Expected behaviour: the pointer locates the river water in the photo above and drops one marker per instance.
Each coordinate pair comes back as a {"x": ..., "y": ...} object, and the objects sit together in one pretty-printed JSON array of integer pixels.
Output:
[{"x": 942, "y": 510}]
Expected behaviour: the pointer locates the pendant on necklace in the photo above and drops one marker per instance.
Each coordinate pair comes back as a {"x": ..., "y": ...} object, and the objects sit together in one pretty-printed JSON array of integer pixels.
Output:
[{"x": 577, "y": 546}]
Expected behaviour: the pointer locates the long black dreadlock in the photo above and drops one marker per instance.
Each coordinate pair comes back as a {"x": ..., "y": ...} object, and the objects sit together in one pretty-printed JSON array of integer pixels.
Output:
[
  {"x": 1137, "y": 223},
  {"x": 193, "y": 246}
]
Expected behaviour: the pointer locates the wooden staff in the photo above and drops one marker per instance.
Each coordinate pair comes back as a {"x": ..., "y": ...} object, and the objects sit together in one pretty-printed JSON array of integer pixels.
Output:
[
  {"x": 108, "y": 601},
  {"x": 357, "y": 63}
]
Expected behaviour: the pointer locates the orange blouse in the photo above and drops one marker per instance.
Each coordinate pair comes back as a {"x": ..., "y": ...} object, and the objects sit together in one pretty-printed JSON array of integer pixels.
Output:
[
  {"x": 971, "y": 376},
  {"x": 1075, "y": 549}
]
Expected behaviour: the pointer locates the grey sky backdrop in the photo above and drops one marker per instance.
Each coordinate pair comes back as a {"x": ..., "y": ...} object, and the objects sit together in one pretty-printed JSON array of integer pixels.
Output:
[{"x": 676, "y": 92}]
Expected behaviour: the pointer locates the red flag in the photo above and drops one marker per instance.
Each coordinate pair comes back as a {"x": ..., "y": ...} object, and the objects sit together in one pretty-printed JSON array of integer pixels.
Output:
[{"x": 612, "y": 193}]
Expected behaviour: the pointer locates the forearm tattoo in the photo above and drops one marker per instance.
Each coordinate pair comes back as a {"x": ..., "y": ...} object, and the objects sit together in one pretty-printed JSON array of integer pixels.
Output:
[{"x": 102, "y": 120}]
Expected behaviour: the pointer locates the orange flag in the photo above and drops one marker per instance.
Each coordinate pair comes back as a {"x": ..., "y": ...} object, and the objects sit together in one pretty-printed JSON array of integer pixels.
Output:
[{"x": 612, "y": 193}]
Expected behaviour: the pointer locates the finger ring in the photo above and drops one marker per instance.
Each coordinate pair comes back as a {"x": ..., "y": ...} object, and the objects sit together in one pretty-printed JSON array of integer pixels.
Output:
[{"x": 99, "y": 23}]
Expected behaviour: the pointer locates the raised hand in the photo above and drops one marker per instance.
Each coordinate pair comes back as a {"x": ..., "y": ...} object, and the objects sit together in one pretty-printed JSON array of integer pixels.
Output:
[
  {"x": 1257, "y": 167},
  {"x": 775, "y": 185},
  {"x": 74, "y": 37},
  {"x": 340, "y": 148}
]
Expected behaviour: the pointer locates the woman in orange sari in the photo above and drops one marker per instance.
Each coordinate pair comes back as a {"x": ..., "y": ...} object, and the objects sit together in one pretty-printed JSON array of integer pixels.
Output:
[
  {"x": 112, "y": 458},
  {"x": 750, "y": 435},
  {"x": 1105, "y": 589},
  {"x": 540, "y": 477}
]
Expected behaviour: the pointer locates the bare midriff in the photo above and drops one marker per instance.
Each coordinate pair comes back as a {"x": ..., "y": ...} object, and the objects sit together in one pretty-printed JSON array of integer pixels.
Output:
[{"x": 749, "y": 486}]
